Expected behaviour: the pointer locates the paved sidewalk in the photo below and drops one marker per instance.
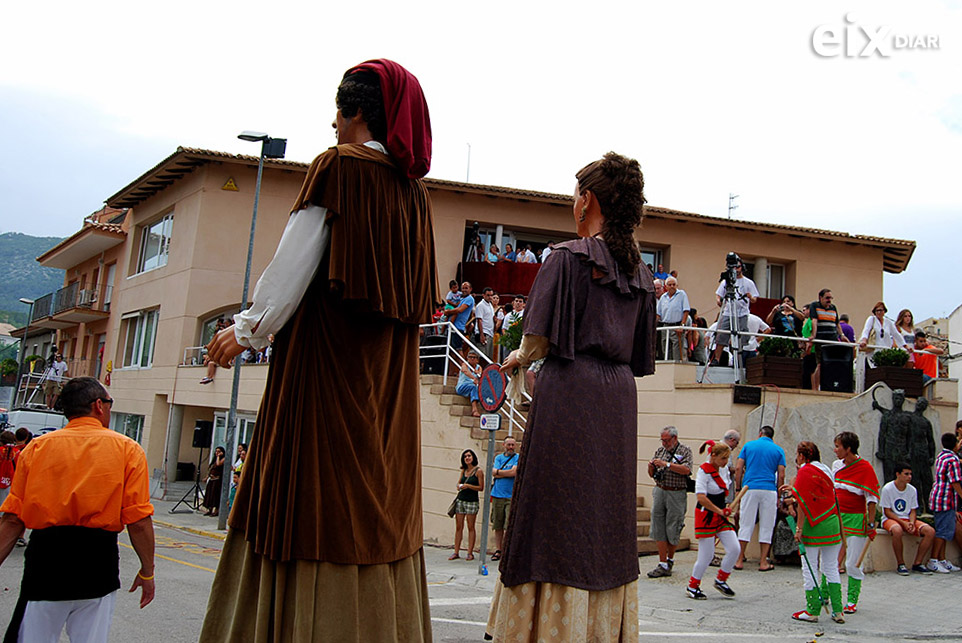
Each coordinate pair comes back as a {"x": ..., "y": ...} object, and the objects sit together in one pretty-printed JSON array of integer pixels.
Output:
[{"x": 892, "y": 608}]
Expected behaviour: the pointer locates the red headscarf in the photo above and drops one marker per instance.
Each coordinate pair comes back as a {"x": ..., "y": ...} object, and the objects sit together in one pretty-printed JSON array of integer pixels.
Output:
[{"x": 408, "y": 121}]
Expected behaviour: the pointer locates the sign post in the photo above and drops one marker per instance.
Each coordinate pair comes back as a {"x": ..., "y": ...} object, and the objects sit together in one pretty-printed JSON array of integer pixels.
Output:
[{"x": 491, "y": 390}]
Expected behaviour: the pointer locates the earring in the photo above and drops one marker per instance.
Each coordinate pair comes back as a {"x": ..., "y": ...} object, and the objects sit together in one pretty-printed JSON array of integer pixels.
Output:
[{"x": 584, "y": 214}]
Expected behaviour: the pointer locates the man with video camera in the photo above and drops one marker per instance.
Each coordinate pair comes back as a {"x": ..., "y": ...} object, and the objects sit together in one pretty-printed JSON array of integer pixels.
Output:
[{"x": 735, "y": 285}]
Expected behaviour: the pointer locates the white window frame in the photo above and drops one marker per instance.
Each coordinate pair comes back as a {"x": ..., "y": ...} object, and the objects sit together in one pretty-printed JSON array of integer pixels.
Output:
[
  {"x": 781, "y": 283},
  {"x": 129, "y": 424},
  {"x": 140, "y": 351},
  {"x": 161, "y": 228},
  {"x": 245, "y": 430}
]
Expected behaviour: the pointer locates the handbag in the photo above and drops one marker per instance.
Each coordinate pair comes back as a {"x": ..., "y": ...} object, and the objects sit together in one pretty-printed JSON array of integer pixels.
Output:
[{"x": 451, "y": 509}]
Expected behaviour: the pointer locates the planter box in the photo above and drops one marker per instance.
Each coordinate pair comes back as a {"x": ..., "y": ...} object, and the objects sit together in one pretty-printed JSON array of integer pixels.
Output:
[
  {"x": 907, "y": 379},
  {"x": 8, "y": 380},
  {"x": 780, "y": 371}
]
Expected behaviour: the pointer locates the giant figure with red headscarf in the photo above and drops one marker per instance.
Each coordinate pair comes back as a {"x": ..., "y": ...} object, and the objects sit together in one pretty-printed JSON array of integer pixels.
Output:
[{"x": 326, "y": 528}]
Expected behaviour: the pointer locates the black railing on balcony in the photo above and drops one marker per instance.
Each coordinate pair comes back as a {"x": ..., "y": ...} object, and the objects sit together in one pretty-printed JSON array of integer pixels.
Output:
[
  {"x": 42, "y": 307},
  {"x": 73, "y": 296}
]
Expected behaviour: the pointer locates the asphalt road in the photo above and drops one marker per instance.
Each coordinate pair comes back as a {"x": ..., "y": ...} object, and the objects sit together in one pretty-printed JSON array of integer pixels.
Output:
[{"x": 895, "y": 608}]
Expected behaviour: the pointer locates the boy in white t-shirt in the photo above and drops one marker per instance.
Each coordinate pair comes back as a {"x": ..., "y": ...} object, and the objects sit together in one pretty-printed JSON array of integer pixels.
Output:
[{"x": 900, "y": 502}]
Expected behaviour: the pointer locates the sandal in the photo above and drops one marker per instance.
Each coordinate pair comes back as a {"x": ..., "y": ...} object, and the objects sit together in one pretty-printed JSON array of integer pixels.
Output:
[
  {"x": 469, "y": 557},
  {"x": 496, "y": 555},
  {"x": 454, "y": 556}
]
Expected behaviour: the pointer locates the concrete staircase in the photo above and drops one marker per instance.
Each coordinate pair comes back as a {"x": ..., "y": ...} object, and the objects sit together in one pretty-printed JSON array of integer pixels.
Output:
[{"x": 460, "y": 407}]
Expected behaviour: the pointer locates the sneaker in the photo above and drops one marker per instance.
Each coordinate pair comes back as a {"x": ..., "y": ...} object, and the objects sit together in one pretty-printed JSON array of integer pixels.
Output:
[
  {"x": 21, "y": 542},
  {"x": 933, "y": 565},
  {"x": 696, "y": 593},
  {"x": 902, "y": 570},
  {"x": 921, "y": 569},
  {"x": 671, "y": 564},
  {"x": 723, "y": 587},
  {"x": 659, "y": 572},
  {"x": 715, "y": 562},
  {"x": 837, "y": 617},
  {"x": 805, "y": 616},
  {"x": 939, "y": 568},
  {"x": 850, "y": 608},
  {"x": 949, "y": 566},
  {"x": 207, "y": 380}
]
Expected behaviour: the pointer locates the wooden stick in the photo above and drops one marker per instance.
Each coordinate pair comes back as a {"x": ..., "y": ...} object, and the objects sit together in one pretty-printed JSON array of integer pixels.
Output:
[
  {"x": 864, "y": 551},
  {"x": 737, "y": 500}
]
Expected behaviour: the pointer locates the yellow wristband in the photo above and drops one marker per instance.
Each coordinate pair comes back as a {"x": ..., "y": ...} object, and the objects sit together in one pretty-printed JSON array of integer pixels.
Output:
[{"x": 142, "y": 577}]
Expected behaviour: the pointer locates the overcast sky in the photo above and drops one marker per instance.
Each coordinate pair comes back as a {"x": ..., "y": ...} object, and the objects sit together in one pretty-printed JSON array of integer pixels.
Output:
[{"x": 710, "y": 97}]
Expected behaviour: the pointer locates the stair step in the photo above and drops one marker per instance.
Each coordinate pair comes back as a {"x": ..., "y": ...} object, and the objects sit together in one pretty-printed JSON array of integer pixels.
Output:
[
  {"x": 448, "y": 400},
  {"x": 644, "y": 529},
  {"x": 644, "y": 514},
  {"x": 648, "y": 546},
  {"x": 640, "y": 500}
]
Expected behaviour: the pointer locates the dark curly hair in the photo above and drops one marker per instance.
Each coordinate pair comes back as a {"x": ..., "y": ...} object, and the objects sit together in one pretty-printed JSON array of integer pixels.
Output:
[
  {"x": 619, "y": 185},
  {"x": 362, "y": 90}
]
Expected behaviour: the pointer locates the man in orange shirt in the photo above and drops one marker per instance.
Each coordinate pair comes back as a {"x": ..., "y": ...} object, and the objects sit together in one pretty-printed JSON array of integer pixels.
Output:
[
  {"x": 927, "y": 362},
  {"x": 77, "y": 488}
]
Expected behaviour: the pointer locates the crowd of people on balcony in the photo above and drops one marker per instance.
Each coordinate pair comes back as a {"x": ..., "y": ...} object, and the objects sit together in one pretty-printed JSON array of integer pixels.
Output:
[
  {"x": 820, "y": 320},
  {"x": 524, "y": 253}
]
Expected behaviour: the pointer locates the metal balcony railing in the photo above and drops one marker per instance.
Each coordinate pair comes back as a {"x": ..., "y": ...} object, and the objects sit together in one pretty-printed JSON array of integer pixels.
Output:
[{"x": 73, "y": 296}]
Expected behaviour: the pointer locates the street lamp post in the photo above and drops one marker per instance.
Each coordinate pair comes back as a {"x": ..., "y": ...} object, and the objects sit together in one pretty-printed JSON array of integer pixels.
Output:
[
  {"x": 23, "y": 345},
  {"x": 272, "y": 148}
]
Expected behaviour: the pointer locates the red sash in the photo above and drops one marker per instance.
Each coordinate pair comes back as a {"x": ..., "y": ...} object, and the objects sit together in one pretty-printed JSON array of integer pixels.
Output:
[
  {"x": 815, "y": 493},
  {"x": 859, "y": 474},
  {"x": 710, "y": 469}
]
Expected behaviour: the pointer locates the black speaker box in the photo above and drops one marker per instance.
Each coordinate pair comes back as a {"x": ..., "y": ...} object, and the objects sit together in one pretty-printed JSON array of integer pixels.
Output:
[
  {"x": 203, "y": 432},
  {"x": 836, "y": 373}
]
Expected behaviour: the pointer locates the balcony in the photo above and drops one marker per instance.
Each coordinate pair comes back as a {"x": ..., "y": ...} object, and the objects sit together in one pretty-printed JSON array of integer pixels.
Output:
[{"x": 72, "y": 305}]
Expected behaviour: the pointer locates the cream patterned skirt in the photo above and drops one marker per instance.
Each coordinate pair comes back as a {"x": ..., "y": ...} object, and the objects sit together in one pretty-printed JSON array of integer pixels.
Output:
[
  {"x": 550, "y": 612},
  {"x": 256, "y": 600}
]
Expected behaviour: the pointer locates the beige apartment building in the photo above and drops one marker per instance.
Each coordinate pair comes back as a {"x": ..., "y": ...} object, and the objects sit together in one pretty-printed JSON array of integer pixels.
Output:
[{"x": 149, "y": 276}]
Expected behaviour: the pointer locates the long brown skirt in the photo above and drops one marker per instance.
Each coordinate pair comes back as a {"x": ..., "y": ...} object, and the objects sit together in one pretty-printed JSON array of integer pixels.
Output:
[
  {"x": 256, "y": 600},
  {"x": 552, "y": 612}
]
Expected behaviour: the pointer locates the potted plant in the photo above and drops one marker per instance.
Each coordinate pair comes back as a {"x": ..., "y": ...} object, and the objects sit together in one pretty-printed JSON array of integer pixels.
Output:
[
  {"x": 779, "y": 362},
  {"x": 8, "y": 372},
  {"x": 891, "y": 367}
]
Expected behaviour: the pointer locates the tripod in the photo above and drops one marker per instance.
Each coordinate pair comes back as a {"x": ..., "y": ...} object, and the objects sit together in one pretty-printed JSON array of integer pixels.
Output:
[
  {"x": 734, "y": 339},
  {"x": 195, "y": 503}
]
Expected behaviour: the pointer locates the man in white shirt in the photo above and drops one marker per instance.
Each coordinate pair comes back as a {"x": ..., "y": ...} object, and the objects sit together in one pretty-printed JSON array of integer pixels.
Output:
[
  {"x": 755, "y": 325},
  {"x": 527, "y": 255},
  {"x": 547, "y": 251},
  {"x": 900, "y": 504},
  {"x": 673, "y": 310},
  {"x": 517, "y": 313},
  {"x": 53, "y": 379},
  {"x": 745, "y": 294},
  {"x": 484, "y": 311}
]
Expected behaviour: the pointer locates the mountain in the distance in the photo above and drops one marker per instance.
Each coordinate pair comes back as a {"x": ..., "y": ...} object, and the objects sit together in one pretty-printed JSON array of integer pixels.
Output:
[{"x": 22, "y": 276}]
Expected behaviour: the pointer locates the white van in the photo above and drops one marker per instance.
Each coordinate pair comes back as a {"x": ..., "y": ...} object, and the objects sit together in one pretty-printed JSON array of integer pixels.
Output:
[{"x": 39, "y": 422}]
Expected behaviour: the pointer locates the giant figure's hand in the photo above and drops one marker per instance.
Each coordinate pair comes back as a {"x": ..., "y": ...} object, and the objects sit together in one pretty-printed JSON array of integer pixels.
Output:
[{"x": 224, "y": 348}]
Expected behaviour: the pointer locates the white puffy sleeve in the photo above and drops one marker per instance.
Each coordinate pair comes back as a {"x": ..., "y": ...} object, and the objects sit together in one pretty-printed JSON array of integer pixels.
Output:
[{"x": 285, "y": 280}]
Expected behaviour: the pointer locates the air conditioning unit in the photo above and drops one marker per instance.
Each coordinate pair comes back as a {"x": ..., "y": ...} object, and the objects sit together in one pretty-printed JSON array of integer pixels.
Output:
[{"x": 87, "y": 298}]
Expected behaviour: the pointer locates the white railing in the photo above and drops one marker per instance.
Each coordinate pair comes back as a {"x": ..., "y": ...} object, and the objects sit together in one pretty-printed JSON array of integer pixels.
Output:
[
  {"x": 452, "y": 356},
  {"x": 856, "y": 348},
  {"x": 193, "y": 356}
]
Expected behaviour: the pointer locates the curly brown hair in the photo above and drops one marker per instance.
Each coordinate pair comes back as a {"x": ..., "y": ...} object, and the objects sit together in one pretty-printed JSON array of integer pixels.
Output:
[
  {"x": 619, "y": 185},
  {"x": 809, "y": 451}
]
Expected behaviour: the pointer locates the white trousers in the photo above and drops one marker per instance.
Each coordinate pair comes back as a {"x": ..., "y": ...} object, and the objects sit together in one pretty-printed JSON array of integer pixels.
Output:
[
  {"x": 761, "y": 504},
  {"x": 87, "y": 621},
  {"x": 821, "y": 560},
  {"x": 855, "y": 545},
  {"x": 706, "y": 551}
]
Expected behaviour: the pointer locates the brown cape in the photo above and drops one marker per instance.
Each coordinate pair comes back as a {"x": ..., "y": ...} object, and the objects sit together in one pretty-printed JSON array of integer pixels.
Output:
[{"x": 334, "y": 469}]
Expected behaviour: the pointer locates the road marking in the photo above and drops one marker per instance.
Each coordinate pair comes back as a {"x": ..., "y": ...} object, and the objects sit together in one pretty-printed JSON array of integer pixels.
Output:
[
  {"x": 457, "y": 622},
  {"x": 447, "y": 602},
  {"x": 182, "y": 562}
]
